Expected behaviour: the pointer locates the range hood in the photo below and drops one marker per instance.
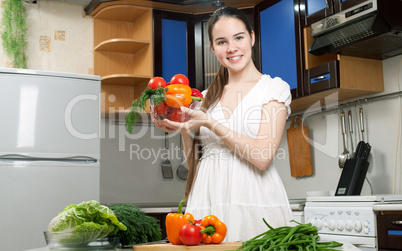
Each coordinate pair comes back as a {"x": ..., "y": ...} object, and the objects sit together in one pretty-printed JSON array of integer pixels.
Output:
[{"x": 371, "y": 29}]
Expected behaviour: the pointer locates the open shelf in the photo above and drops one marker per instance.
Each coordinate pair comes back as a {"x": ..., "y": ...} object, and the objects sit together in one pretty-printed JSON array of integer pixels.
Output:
[
  {"x": 124, "y": 79},
  {"x": 123, "y": 53},
  {"x": 125, "y": 13},
  {"x": 122, "y": 45}
]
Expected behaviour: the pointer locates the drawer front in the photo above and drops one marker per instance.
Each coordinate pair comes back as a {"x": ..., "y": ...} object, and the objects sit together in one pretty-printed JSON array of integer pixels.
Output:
[
  {"x": 321, "y": 78},
  {"x": 389, "y": 231}
]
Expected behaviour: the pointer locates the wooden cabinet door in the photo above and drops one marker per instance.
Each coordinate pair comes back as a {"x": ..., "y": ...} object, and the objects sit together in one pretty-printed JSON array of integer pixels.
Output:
[{"x": 321, "y": 78}]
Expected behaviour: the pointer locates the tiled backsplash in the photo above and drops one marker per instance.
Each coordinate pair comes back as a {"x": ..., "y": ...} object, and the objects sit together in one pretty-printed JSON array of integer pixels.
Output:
[{"x": 60, "y": 38}]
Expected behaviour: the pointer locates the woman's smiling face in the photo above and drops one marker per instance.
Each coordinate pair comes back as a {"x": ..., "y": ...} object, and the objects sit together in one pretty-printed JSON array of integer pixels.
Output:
[{"x": 232, "y": 43}]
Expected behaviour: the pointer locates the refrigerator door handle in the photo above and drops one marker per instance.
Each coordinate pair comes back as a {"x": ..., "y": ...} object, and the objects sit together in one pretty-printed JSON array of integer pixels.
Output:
[{"x": 21, "y": 157}]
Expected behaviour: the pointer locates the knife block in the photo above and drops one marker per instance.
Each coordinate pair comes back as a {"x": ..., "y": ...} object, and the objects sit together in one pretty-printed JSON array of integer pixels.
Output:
[{"x": 352, "y": 177}]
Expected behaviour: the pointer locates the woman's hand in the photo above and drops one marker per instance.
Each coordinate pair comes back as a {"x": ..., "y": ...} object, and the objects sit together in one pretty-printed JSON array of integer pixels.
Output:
[
  {"x": 161, "y": 125},
  {"x": 196, "y": 119}
]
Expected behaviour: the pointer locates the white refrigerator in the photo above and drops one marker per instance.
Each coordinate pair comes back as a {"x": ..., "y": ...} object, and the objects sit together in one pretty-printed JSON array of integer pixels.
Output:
[{"x": 49, "y": 150}]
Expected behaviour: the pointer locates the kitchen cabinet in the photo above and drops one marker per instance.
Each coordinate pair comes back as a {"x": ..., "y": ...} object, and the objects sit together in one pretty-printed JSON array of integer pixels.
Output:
[
  {"x": 389, "y": 225},
  {"x": 278, "y": 56},
  {"x": 128, "y": 51},
  {"x": 332, "y": 78},
  {"x": 123, "y": 53},
  {"x": 173, "y": 45},
  {"x": 389, "y": 229},
  {"x": 315, "y": 10}
]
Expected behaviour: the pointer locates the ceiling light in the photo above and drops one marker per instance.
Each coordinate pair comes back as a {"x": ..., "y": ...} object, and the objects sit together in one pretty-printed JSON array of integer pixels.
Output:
[{"x": 218, "y": 3}]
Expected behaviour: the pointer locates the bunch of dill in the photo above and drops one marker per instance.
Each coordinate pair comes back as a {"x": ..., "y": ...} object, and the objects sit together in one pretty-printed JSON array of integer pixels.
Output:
[
  {"x": 141, "y": 228},
  {"x": 138, "y": 105}
]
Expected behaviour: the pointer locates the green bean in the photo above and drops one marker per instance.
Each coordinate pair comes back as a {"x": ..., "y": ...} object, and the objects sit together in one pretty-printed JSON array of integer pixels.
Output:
[
  {"x": 289, "y": 244},
  {"x": 314, "y": 238},
  {"x": 300, "y": 237}
]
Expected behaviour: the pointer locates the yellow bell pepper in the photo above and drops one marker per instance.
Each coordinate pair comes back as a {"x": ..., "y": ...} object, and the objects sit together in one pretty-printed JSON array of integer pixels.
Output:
[
  {"x": 174, "y": 222},
  {"x": 178, "y": 95}
]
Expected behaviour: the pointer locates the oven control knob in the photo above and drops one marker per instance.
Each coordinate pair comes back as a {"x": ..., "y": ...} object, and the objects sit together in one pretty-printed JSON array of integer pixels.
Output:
[
  {"x": 349, "y": 225},
  {"x": 366, "y": 230},
  {"x": 319, "y": 224},
  {"x": 340, "y": 225},
  {"x": 358, "y": 226},
  {"x": 331, "y": 225}
]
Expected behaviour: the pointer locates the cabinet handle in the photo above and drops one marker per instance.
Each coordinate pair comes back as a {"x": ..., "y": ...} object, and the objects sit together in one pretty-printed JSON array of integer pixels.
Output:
[
  {"x": 320, "y": 78},
  {"x": 399, "y": 222}
]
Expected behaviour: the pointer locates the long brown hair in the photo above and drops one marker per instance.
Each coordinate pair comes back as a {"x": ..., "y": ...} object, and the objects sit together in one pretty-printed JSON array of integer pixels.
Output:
[{"x": 215, "y": 90}]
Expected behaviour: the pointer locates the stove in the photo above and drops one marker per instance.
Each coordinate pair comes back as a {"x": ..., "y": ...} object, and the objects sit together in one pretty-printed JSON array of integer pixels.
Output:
[
  {"x": 297, "y": 207},
  {"x": 346, "y": 218}
]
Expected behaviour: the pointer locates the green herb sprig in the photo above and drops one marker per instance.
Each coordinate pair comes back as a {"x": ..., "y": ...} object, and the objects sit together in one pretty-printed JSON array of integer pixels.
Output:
[
  {"x": 138, "y": 105},
  {"x": 14, "y": 35},
  {"x": 299, "y": 237}
]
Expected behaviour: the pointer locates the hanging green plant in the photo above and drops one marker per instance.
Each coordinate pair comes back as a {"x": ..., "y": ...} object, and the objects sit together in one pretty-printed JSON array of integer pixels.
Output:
[{"x": 14, "y": 35}]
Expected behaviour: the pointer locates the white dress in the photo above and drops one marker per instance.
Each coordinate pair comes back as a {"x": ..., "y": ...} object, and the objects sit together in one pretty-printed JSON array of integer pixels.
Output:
[{"x": 231, "y": 188}]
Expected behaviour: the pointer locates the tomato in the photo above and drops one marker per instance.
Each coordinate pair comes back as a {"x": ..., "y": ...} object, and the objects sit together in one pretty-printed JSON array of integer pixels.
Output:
[
  {"x": 179, "y": 79},
  {"x": 177, "y": 115},
  {"x": 196, "y": 93},
  {"x": 161, "y": 109},
  {"x": 190, "y": 234},
  {"x": 156, "y": 82}
]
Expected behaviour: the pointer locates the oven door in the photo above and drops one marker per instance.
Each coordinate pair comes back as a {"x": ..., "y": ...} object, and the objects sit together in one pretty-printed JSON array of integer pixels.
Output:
[{"x": 360, "y": 242}]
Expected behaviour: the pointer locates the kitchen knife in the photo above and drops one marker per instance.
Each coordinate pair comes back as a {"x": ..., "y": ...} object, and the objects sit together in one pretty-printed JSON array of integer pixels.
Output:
[
  {"x": 366, "y": 151},
  {"x": 352, "y": 154},
  {"x": 361, "y": 122},
  {"x": 359, "y": 150}
]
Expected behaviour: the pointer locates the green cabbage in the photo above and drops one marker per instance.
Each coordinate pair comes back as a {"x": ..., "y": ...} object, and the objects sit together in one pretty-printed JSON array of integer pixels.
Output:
[{"x": 85, "y": 222}]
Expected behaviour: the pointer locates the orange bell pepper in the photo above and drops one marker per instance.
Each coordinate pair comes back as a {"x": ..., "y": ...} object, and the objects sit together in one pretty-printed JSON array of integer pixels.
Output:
[
  {"x": 213, "y": 230},
  {"x": 174, "y": 222},
  {"x": 178, "y": 95}
]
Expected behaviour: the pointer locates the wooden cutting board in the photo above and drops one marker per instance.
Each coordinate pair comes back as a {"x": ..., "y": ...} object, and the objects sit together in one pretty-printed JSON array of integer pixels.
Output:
[
  {"x": 299, "y": 149},
  {"x": 167, "y": 246}
]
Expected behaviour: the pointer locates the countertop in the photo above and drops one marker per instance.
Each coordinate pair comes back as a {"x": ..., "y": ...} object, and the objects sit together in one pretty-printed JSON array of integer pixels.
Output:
[
  {"x": 167, "y": 247},
  {"x": 158, "y": 210},
  {"x": 65, "y": 249},
  {"x": 215, "y": 247},
  {"x": 388, "y": 206},
  {"x": 295, "y": 205}
]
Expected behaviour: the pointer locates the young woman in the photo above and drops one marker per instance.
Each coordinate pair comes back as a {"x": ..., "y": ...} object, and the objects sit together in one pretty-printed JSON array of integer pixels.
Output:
[{"x": 237, "y": 133}]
